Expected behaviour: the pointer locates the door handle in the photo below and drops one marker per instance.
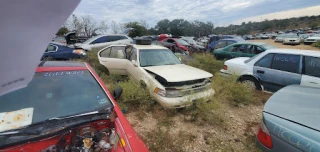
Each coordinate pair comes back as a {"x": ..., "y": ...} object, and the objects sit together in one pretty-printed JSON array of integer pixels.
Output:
[{"x": 259, "y": 71}]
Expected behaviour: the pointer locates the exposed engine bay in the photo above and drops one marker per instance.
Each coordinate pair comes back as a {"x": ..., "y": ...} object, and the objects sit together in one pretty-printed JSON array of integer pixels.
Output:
[{"x": 98, "y": 136}]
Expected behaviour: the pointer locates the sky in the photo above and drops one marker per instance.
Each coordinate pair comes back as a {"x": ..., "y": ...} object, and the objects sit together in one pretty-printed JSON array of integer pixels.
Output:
[{"x": 220, "y": 12}]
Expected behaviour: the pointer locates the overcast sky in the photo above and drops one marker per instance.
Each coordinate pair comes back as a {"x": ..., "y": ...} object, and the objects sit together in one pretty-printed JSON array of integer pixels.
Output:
[{"x": 220, "y": 12}]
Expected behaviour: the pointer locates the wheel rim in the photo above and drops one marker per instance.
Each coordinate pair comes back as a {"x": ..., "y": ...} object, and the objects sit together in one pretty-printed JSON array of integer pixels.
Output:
[{"x": 251, "y": 85}]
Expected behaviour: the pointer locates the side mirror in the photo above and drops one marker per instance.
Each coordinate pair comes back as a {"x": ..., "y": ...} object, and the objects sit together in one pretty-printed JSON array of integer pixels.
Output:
[
  {"x": 117, "y": 93},
  {"x": 134, "y": 62}
]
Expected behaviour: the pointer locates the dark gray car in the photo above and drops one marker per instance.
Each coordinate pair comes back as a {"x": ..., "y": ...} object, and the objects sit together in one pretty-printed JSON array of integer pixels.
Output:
[{"x": 291, "y": 121}]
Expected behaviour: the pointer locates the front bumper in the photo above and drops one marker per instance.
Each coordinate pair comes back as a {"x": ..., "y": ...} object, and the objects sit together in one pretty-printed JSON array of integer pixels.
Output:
[
  {"x": 181, "y": 102},
  {"x": 223, "y": 74},
  {"x": 291, "y": 42}
]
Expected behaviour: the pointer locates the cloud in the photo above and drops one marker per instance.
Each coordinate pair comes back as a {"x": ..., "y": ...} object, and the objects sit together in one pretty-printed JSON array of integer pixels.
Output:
[{"x": 221, "y": 12}]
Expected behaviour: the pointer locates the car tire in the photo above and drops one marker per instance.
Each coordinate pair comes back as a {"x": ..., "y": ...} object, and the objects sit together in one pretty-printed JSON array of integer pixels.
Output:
[{"x": 251, "y": 82}]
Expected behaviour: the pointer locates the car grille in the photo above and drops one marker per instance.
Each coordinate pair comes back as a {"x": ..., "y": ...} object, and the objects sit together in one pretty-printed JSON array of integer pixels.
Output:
[
  {"x": 310, "y": 40},
  {"x": 194, "y": 90}
]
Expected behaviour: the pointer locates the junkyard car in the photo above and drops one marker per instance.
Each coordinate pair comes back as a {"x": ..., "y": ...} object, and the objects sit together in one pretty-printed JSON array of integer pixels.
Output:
[
  {"x": 279, "y": 38},
  {"x": 276, "y": 68},
  {"x": 66, "y": 107},
  {"x": 103, "y": 41},
  {"x": 242, "y": 49},
  {"x": 221, "y": 44},
  {"x": 312, "y": 39},
  {"x": 59, "y": 51},
  {"x": 169, "y": 82},
  {"x": 289, "y": 121},
  {"x": 179, "y": 42},
  {"x": 304, "y": 36},
  {"x": 291, "y": 39}
]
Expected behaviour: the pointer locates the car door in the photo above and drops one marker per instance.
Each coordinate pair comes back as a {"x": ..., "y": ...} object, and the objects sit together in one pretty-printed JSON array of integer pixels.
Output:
[
  {"x": 236, "y": 51},
  {"x": 133, "y": 65},
  {"x": 99, "y": 42},
  {"x": 276, "y": 71},
  {"x": 311, "y": 71},
  {"x": 114, "y": 59}
]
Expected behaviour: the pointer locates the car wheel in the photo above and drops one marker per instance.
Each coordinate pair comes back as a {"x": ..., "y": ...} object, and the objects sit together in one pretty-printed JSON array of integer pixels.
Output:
[{"x": 252, "y": 83}]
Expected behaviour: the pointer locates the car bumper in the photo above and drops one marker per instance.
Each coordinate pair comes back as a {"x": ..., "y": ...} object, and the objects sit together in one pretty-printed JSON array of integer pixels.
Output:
[
  {"x": 277, "y": 146},
  {"x": 292, "y": 42},
  {"x": 181, "y": 102},
  {"x": 278, "y": 40},
  {"x": 223, "y": 74}
]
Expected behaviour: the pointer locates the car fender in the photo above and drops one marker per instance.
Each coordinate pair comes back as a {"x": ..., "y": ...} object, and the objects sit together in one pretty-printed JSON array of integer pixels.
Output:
[{"x": 250, "y": 74}]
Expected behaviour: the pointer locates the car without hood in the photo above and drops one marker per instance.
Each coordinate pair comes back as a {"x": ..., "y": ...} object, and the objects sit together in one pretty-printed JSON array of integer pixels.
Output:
[
  {"x": 289, "y": 121},
  {"x": 59, "y": 51},
  {"x": 171, "y": 83}
]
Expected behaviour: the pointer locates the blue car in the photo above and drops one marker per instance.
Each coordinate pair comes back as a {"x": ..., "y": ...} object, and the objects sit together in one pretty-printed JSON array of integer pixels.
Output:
[
  {"x": 290, "y": 121},
  {"x": 212, "y": 41},
  {"x": 59, "y": 51},
  {"x": 221, "y": 44}
]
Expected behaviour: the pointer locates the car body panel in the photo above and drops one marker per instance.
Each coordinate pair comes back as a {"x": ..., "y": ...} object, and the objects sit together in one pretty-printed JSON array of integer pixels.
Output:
[
  {"x": 294, "y": 128},
  {"x": 225, "y": 42},
  {"x": 312, "y": 39},
  {"x": 62, "y": 52}
]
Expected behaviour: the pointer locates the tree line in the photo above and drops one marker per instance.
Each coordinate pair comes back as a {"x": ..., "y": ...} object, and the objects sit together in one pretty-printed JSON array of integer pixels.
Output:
[{"x": 90, "y": 27}]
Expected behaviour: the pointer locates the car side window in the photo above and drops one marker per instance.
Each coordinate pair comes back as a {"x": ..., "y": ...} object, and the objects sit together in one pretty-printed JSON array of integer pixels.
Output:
[
  {"x": 259, "y": 50},
  {"x": 286, "y": 62},
  {"x": 230, "y": 42},
  {"x": 100, "y": 40},
  {"x": 251, "y": 49},
  {"x": 238, "y": 48},
  {"x": 133, "y": 55},
  {"x": 265, "y": 62},
  {"x": 122, "y": 38},
  {"x": 170, "y": 41},
  {"x": 117, "y": 52},
  {"x": 105, "y": 53},
  {"x": 312, "y": 66},
  {"x": 51, "y": 48},
  {"x": 220, "y": 44}
]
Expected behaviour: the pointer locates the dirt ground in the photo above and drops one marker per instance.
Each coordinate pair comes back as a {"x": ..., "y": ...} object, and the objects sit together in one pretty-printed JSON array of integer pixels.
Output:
[{"x": 280, "y": 45}]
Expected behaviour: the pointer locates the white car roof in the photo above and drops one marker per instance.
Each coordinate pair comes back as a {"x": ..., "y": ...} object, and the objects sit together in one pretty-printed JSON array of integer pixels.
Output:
[
  {"x": 295, "y": 51},
  {"x": 149, "y": 47}
]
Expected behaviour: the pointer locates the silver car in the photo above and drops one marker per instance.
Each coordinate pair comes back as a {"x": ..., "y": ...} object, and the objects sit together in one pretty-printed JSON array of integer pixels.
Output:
[
  {"x": 290, "y": 121},
  {"x": 291, "y": 39}
]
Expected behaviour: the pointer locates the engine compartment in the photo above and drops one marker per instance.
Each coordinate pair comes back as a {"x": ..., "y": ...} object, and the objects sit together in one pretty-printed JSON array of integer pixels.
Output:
[{"x": 98, "y": 136}]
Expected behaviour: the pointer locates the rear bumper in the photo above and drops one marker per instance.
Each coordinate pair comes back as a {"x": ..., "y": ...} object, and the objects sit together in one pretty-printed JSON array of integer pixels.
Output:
[
  {"x": 278, "y": 145},
  {"x": 181, "y": 102}
]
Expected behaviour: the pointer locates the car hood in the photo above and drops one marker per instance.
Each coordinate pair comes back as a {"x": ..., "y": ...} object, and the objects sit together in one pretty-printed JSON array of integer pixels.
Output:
[
  {"x": 178, "y": 72},
  {"x": 313, "y": 38},
  {"x": 296, "y": 103},
  {"x": 198, "y": 46}
]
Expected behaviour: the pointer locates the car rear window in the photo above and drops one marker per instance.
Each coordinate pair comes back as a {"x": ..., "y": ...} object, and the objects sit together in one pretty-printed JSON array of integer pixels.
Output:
[
  {"x": 312, "y": 66},
  {"x": 57, "y": 94}
]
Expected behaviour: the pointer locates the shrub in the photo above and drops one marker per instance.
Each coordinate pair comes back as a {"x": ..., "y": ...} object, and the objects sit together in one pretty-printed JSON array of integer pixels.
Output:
[
  {"x": 207, "y": 62},
  {"x": 317, "y": 45}
]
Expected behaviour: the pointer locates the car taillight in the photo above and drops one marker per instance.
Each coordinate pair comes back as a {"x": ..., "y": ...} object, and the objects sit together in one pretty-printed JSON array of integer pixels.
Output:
[
  {"x": 264, "y": 137},
  {"x": 225, "y": 67}
]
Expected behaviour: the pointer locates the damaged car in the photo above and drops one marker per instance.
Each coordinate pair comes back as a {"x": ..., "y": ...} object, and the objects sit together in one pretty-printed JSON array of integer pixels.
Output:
[
  {"x": 65, "y": 107},
  {"x": 171, "y": 83}
]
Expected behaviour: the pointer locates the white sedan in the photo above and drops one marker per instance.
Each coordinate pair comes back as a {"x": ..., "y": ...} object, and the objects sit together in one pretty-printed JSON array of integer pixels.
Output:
[
  {"x": 276, "y": 68},
  {"x": 291, "y": 39},
  {"x": 170, "y": 83}
]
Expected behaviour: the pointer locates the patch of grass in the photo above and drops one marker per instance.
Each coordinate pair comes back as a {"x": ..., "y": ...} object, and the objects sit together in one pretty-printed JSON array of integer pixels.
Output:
[
  {"x": 229, "y": 89},
  {"x": 317, "y": 45},
  {"x": 207, "y": 62}
]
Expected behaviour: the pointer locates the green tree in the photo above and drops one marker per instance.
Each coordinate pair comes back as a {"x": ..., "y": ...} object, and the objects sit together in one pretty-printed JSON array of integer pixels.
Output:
[
  {"x": 62, "y": 31},
  {"x": 139, "y": 30},
  {"x": 313, "y": 25}
]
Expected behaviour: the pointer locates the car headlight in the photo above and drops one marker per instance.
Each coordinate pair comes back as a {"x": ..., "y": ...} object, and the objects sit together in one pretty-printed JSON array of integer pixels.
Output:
[
  {"x": 160, "y": 92},
  {"x": 79, "y": 52},
  {"x": 173, "y": 93}
]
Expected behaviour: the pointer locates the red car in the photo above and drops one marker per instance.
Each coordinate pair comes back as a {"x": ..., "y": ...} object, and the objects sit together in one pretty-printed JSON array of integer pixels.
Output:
[
  {"x": 65, "y": 107},
  {"x": 179, "y": 42}
]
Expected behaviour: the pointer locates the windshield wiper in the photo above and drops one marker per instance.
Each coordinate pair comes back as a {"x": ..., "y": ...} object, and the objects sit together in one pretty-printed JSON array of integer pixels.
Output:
[{"x": 30, "y": 131}]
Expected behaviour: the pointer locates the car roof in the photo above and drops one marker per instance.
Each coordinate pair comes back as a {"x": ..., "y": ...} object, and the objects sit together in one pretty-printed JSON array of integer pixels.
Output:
[
  {"x": 58, "y": 43},
  {"x": 149, "y": 47},
  {"x": 61, "y": 64},
  {"x": 295, "y": 51},
  {"x": 253, "y": 43},
  {"x": 228, "y": 39}
]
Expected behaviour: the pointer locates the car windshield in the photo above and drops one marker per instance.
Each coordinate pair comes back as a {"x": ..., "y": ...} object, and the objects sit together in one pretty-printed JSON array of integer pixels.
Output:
[
  {"x": 292, "y": 36},
  {"x": 54, "y": 94},
  {"x": 268, "y": 46},
  {"x": 182, "y": 42},
  {"x": 157, "y": 57}
]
